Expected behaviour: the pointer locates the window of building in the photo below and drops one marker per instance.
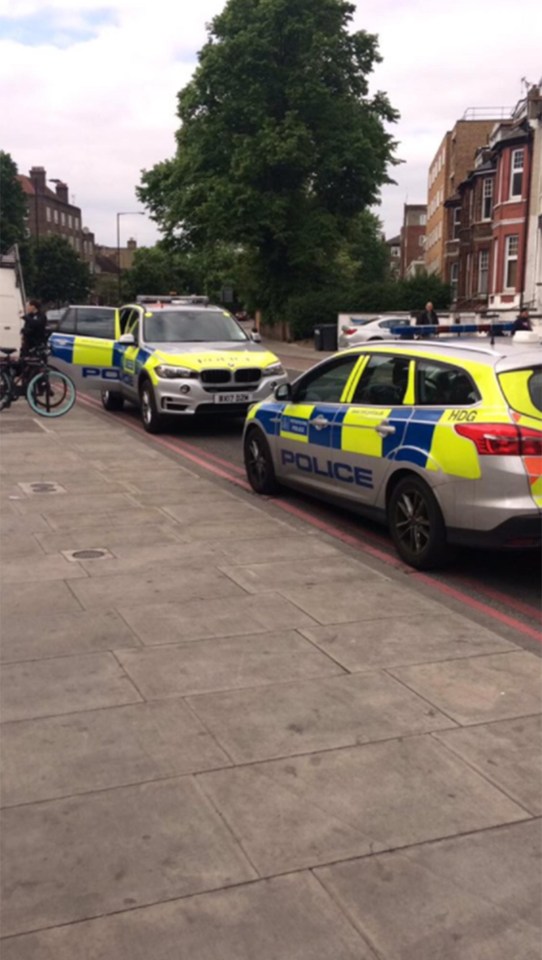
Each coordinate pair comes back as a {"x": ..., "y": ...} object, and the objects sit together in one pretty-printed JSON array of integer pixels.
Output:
[
  {"x": 421, "y": 240},
  {"x": 483, "y": 271},
  {"x": 454, "y": 279},
  {"x": 516, "y": 173},
  {"x": 55, "y": 216},
  {"x": 494, "y": 286},
  {"x": 423, "y": 219},
  {"x": 511, "y": 262},
  {"x": 48, "y": 214},
  {"x": 487, "y": 199},
  {"x": 456, "y": 223},
  {"x": 63, "y": 219},
  {"x": 76, "y": 222},
  {"x": 77, "y": 243},
  {"x": 70, "y": 221}
]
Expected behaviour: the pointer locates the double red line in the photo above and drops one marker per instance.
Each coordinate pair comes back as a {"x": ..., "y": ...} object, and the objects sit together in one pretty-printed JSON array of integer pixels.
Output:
[{"x": 236, "y": 475}]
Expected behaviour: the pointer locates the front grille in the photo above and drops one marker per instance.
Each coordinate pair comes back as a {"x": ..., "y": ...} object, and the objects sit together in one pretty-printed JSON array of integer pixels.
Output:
[
  {"x": 215, "y": 376},
  {"x": 250, "y": 375}
]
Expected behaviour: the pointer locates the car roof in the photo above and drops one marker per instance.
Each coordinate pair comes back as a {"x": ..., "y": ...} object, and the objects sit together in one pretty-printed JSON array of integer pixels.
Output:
[{"x": 519, "y": 354}]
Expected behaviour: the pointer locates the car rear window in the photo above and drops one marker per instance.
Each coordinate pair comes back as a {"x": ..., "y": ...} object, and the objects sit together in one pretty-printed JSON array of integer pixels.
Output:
[{"x": 523, "y": 390}]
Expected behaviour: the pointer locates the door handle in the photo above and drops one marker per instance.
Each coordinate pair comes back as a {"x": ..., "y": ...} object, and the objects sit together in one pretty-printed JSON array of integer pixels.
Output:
[
  {"x": 385, "y": 429},
  {"x": 319, "y": 422}
]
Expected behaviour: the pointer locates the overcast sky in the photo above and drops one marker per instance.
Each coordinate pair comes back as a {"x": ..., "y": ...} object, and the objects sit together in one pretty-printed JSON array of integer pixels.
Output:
[{"x": 88, "y": 87}]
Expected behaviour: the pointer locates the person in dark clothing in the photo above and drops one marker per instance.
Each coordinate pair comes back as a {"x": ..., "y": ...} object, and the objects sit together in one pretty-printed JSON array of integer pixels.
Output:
[
  {"x": 522, "y": 321},
  {"x": 34, "y": 329},
  {"x": 427, "y": 316}
]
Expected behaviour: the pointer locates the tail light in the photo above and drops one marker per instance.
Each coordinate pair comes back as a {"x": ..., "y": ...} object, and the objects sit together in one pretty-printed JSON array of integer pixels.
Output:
[
  {"x": 502, "y": 439},
  {"x": 348, "y": 331}
]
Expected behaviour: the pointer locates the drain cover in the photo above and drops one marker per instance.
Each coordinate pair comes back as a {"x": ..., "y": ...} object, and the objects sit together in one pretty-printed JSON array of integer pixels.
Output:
[
  {"x": 42, "y": 486},
  {"x": 94, "y": 553}
]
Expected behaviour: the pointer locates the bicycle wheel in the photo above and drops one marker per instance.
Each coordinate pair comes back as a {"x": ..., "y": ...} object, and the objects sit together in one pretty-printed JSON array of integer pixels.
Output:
[
  {"x": 6, "y": 389},
  {"x": 50, "y": 393}
]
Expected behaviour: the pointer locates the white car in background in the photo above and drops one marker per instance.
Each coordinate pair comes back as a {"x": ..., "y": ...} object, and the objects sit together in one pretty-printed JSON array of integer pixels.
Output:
[{"x": 375, "y": 328}]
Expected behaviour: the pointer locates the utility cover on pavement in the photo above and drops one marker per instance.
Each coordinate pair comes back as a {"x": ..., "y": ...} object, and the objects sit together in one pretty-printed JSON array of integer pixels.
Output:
[
  {"x": 41, "y": 486},
  {"x": 92, "y": 553}
]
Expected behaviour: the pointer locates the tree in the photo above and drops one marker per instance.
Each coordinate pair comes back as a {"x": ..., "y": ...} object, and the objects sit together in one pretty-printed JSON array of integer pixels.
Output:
[
  {"x": 280, "y": 144},
  {"x": 12, "y": 204},
  {"x": 58, "y": 275}
]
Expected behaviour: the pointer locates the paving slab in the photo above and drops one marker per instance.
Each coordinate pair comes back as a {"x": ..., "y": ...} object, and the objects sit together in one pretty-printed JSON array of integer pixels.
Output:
[
  {"x": 220, "y": 505},
  {"x": 507, "y": 753},
  {"x": 30, "y": 637},
  {"x": 229, "y": 663},
  {"x": 183, "y": 582},
  {"x": 292, "y": 718},
  {"x": 39, "y": 688},
  {"x": 484, "y": 688},
  {"x": 185, "y": 492},
  {"x": 288, "y": 547},
  {"x": 339, "y": 603},
  {"x": 41, "y": 569},
  {"x": 219, "y": 529},
  {"x": 271, "y": 576},
  {"x": 15, "y": 526},
  {"x": 137, "y": 559},
  {"x": 279, "y": 919},
  {"x": 36, "y": 598},
  {"x": 98, "y": 520},
  {"x": 125, "y": 535},
  {"x": 19, "y": 545},
  {"x": 394, "y": 641},
  {"x": 470, "y": 898},
  {"x": 73, "y": 859},
  {"x": 79, "y": 503},
  {"x": 212, "y": 617},
  {"x": 98, "y": 749},
  {"x": 345, "y": 803}
]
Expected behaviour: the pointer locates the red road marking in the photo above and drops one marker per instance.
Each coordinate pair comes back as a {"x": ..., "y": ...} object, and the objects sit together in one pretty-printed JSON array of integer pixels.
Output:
[{"x": 350, "y": 539}]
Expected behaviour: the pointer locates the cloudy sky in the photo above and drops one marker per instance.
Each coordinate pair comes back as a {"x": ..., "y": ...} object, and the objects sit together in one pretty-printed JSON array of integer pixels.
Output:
[{"x": 89, "y": 87}]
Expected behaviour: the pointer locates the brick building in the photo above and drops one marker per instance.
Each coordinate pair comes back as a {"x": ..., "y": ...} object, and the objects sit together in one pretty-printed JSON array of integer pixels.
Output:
[
  {"x": 450, "y": 165},
  {"x": 394, "y": 251},
  {"x": 494, "y": 251},
  {"x": 413, "y": 238},
  {"x": 49, "y": 212}
]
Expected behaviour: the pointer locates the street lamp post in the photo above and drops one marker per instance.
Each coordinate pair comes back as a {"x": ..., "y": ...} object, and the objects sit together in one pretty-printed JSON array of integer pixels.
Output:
[{"x": 123, "y": 213}]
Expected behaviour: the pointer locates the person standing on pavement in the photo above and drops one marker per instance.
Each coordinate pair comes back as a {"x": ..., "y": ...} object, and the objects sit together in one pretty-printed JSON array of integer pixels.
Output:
[
  {"x": 427, "y": 316},
  {"x": 34, "y": 329},
  {"x": 522, "y": 321}
]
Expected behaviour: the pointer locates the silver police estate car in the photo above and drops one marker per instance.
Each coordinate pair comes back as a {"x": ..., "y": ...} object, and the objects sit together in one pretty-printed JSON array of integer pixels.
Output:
[{"x": 441, "y": 441}]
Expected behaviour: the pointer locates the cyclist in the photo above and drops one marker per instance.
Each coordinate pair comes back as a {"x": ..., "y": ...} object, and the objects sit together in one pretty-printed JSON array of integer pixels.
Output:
[{"x": 34, "y": 330}]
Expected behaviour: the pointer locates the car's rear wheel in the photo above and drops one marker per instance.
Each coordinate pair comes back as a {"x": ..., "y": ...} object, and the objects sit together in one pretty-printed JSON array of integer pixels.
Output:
[
  {"x": 111, "y": 400},
  {"x": 259, "y": 463},
  {"x": 416, "y": 524},
  {"x": 152, "y": 420}
]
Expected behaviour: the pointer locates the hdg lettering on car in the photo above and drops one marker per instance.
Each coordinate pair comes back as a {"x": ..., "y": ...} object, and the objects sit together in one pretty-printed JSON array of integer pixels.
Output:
[{"x": 333, "y": 469}]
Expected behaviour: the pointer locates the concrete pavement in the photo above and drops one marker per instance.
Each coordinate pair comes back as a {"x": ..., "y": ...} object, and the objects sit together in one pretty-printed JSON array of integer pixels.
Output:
[{"x": 225, "y": 739}]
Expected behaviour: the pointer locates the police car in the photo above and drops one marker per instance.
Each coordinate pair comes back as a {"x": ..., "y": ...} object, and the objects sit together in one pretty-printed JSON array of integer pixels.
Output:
[
  {"x": 181, "y": 358},
  {"x": 441, "y": 441}
]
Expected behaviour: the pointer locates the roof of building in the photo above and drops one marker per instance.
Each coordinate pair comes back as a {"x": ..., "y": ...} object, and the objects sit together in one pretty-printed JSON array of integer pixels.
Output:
[{"x": 394, "y": 241}]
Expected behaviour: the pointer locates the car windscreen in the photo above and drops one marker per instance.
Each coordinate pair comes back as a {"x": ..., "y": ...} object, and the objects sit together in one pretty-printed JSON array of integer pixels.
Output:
[
  {"x": 192, "y": 326},
  {"x": 523, "y": 390}
]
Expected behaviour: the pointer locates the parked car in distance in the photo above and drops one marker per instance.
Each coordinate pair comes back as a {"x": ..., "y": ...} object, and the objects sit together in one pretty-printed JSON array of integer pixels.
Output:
[{"x": 379, "y": 328}]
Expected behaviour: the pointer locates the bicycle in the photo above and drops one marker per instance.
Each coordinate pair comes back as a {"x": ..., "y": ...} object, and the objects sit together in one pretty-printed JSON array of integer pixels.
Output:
[{"x": 49, "y": 393}]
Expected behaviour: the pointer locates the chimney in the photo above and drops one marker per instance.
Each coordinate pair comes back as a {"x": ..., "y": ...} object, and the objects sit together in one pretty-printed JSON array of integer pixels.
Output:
[
  {"x": 38, "y": 176},
  {"x": 132, "y": 244},
  {"x": 62, "y": 192}
]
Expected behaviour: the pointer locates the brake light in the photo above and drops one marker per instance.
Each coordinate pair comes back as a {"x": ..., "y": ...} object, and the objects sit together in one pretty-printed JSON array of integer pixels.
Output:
[
  {"x": 502, "y": 439},
  {"x": 349, "y": 331}
]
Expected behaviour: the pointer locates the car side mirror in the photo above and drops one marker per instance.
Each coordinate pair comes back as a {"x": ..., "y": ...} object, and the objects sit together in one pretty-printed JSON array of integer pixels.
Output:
[
  {"x": 255, "y": 336},
  {"x": 283, "y": 391},
  {"x": 127, "y": 338}
]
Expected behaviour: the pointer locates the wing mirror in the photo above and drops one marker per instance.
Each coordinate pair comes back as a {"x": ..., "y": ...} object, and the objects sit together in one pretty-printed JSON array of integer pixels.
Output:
[
  {"x": 255, "y": 336},
  {"x": 127, "y": 338},
  {"x": 283, "y": 391}
]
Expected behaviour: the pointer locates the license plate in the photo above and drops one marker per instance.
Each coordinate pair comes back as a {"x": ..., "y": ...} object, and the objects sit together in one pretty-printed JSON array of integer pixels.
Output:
[{"x": 232, "y": 397}]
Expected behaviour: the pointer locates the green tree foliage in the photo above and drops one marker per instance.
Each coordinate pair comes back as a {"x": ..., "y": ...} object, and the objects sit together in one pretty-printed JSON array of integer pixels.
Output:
[
  {"x": 165, "y": 268},
  {"x": 58, "y": 274},
  {"x": 12, "y": 204},
  {"x": 280, "y": 146}
]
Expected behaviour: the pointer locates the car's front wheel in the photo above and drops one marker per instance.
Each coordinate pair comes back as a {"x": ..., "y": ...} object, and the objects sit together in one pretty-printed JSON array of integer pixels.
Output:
[
  {"x": 416, "y": 524},
  {"x": 111, "y": 400},
  {"x": 152, "y": 420},
  {"x": 259, "y": 463}
]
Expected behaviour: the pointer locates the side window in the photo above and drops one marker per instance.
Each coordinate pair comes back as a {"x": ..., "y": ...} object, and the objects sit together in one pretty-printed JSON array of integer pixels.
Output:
[
  {"x": 132, "y": 325},
  {"x": 384, "y": 380},
  {"x": 67, "y": 324},
  {"x": 96, "y": 323},
  {"x": 124, "y": 317},
  {"x": 326, "y": 385},
  {"x": 438, "y": 384}
]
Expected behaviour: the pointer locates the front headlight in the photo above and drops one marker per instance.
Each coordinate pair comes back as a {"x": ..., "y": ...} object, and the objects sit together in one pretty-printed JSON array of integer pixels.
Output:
[
  {"x": 166, "y": 372},
  {"x": 274, "y": 370}
]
